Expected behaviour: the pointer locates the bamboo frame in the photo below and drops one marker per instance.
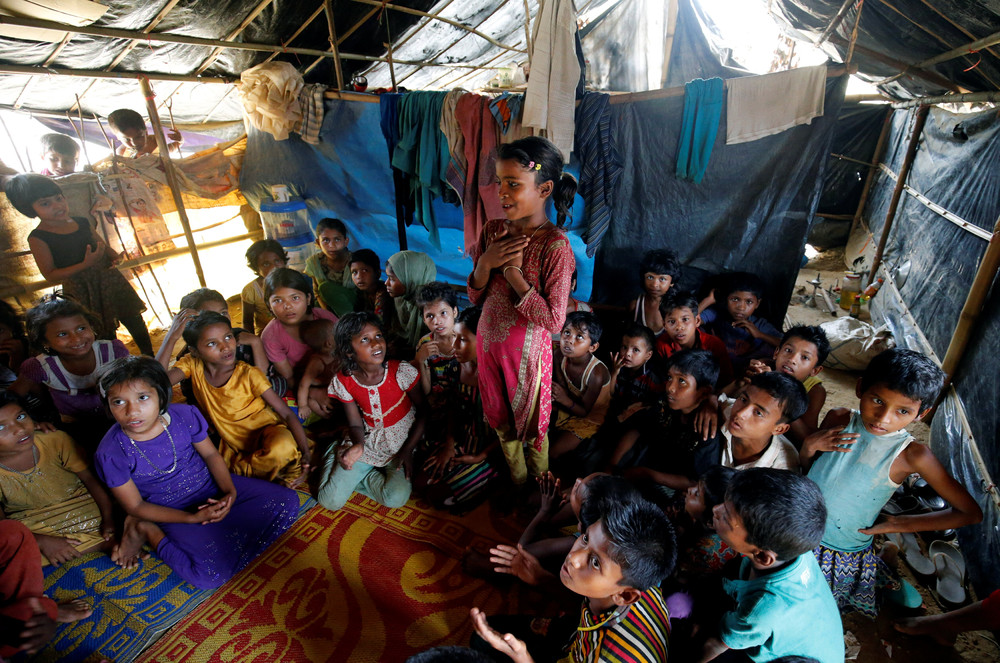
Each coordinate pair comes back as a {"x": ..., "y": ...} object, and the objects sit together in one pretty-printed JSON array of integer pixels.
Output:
[
  {"x": 332, "y": 27},
  {"x": 928, "y": 76},
  {"x": 967, "y": 98},
  {"x": 880, "y": 145},
  {"x": 835, "y": 22},
  {"x": 168, "y": 168},
  {"x": 854, "y": 33},
  {"x": 30, "y": 70},
  {"x": 261, "y": 6},
  {"x": 340, "y": 39},
  {"x": 897, "y": 192},
  {"x": 672, "y": 10}
]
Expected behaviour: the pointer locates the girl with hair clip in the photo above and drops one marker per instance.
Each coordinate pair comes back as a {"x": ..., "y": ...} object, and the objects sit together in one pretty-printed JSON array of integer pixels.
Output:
[{"x": 523, "y": 269}]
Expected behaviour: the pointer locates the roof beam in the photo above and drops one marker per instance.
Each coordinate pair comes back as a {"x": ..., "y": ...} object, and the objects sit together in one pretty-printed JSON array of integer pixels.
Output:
[
  {"x": 835, "y": 22},
  {"x": 929, "y": 76},
  {"x": 341, "y": 38},
  {"x": 233, "y": 35},
  {"x": 30, "y": 70}
]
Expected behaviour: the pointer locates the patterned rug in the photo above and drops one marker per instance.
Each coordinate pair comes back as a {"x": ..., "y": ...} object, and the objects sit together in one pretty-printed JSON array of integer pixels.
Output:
[
  {"x": 363, "y": 584},
  {"x": 131, "y": 608}
]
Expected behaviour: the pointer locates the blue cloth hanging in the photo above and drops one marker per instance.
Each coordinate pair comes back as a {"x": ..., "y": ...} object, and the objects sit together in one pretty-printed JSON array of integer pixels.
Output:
[
  {"x": 600, "y": 165},
  {"x": 699, "y": 126}
]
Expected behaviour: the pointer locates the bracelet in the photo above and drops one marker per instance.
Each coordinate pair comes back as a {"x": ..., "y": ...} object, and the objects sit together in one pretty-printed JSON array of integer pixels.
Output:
[{"x": 512, "y": 267}]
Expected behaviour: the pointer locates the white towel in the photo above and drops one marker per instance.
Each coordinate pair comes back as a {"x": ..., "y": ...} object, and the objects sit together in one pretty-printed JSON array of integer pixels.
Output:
[
  {"x": 550, "y": 100},
  {"x": 758, "y": 106}
]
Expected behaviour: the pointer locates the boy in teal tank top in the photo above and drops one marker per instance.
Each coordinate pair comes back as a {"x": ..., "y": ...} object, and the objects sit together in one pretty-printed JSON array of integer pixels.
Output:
[{"x": 859, "y": 457}]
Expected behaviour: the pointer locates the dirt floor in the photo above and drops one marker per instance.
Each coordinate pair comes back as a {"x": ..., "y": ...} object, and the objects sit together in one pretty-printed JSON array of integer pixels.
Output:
[{"x": 878, "y": 640}]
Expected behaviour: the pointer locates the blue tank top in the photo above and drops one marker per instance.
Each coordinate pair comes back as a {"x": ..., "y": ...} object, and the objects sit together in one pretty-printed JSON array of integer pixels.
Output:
[{"x": 856, "y": 485}]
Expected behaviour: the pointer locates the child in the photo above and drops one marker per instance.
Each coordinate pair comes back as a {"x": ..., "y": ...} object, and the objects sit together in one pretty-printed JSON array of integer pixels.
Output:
[
  {"x": 663, "y": 441},
  {"x": 861, "y": 456},
  {"x": 634, "y": 382},
  {"x": 572, "y": 303},
  {"x": 45, "y": 484},
  {"x": 774, "y": 518},
  {"x": 69, "y": 365},
  {"x": 263, "y": 257},
  {"x": 658, "y": 271},
  {"x": 66, "y": 249},
  {"x": 436, "y": 351},
  {"x": 289, "y": 297},
  {"x": 129, "y": 127},
  {"x": 747, "y": 336},
  {"x": 756, "y": 421},
  {"x": 320, "y": 369},
  {"x": 330, "y": 269},
  {"x": 59, "y": 153},
  {"x": 385, "y": 415},
  {"x": 459, "y": 467},
  {"x": 682, "y": 331},
  {"x": 615, "y": 565},
  {"x": 405, "y": 273},
  {"x": 581, "y": 384},
  {"x": 259, "y": 436},
  {"x": 13, "y": 345},
  {"x": 523, "y": 267},
  {"x": 801, "y": 354},
  {"x": 179, "y": 496},
  {"x": 366, "y": 274},
  {"x": 701, "y": 551}
]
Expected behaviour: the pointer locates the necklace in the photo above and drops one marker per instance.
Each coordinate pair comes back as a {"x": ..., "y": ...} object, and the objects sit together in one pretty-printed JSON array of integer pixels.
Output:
[
  {"x": 173, "y": 447},
  {"x": 615, "y": 617},
  {"x": 532, "y": 235},
  {"x": 34, "y": 467}
]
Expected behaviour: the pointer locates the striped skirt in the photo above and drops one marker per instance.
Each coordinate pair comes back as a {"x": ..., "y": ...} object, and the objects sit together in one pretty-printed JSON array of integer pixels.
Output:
[{"x": 856, "y": 578}]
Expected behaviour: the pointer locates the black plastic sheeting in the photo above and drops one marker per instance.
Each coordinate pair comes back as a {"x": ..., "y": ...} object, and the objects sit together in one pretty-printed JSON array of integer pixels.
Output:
[
  {"x": 959, "y": 170},
  {"x": 750, "y": 212},
  {"x": 910, "y": 31},
  {"x": 698, "y": 50}
]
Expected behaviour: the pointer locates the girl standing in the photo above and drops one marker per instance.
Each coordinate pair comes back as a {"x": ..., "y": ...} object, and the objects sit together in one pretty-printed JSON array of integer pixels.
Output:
[
  {"x": 175, "y": 487},
  {"x": 405, "y": 273},
  {"x": 523, "y": 268},
  {"x": 385, "y": 424},
  {"x": 67, "y": 249},
  {"x": 289, "y": 296}
]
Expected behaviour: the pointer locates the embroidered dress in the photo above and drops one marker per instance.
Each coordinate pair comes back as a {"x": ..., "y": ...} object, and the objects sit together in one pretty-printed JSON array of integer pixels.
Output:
[
  {"x": 169, "y": 471},
  {"x": 583, "y": 427},
  {"x": 640, "y": 635},
  {"x": 50, "y": 498},
  {"x": 856, "y": 486}
]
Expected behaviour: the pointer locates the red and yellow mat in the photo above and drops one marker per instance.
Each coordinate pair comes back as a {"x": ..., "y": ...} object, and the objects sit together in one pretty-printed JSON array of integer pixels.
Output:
[{"x": 363, "y": 584}]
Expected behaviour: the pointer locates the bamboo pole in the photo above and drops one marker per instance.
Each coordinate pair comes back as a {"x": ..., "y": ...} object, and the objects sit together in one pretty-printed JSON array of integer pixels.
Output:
[
  {"x": 254, "y": 13},
  {"x": 332, "y": 27},
  {"x": 835, "y": 22},
  {"x": 969, "y": 98},
  {"x": 854, "y": 34},
  {"x": 897, "y": 192},
  {"x": 340, "y": 39},
  {"x": 99, "y": 73},
  {"x": 989, "y": 265},
  {"x": 928, "y": 76},
  {"x": 668, "y": 46},
  {"x": 168, "y": 168},
  {"x": 880, "y": 145}
]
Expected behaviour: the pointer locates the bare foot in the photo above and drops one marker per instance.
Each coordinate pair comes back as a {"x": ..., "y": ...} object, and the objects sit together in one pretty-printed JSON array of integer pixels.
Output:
[
  {"x": 926, "y": 626},
  {"x": 126, "y": 553},
  {"x": 73, "y": 611}
]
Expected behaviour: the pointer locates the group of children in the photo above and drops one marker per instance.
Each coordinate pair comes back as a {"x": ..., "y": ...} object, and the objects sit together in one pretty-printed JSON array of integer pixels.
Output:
[{"x": 696, "y": 442}]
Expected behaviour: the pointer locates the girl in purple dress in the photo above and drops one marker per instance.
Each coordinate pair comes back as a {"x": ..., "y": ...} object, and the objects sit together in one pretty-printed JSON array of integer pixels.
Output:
[{"x": 175, "y": 487}]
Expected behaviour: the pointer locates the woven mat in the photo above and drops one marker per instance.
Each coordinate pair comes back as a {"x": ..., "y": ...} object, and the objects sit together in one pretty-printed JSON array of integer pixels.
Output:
[
  {"x": 132, "y": 609},
  {"x": 362, "y": 584}
]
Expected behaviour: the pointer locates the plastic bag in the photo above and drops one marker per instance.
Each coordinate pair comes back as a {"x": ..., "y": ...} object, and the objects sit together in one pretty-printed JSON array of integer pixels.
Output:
[{"x": 853, "y": 343}]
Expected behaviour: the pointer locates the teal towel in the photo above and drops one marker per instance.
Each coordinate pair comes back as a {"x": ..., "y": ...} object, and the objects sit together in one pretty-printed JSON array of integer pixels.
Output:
[{"x": 699, "y": 126}]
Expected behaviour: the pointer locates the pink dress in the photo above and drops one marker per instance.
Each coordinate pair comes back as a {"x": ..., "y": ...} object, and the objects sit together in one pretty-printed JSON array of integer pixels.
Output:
[
  {"x": 514, "y": 339},
  {"x": 279, "y": 345}
]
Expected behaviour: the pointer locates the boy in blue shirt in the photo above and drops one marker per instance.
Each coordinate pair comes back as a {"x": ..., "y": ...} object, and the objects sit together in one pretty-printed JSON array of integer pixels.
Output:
[
  {"x": 784, "y": 607},
  {"x": 728, "y": 312}
]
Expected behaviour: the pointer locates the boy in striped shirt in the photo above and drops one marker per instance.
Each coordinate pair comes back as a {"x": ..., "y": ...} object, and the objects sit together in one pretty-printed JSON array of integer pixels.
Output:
[{"x": 616, "y": 565}]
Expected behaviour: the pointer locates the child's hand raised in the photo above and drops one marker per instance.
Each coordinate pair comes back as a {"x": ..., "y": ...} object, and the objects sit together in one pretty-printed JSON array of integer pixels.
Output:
[
  {"x": 506, "y": 643},
  {"x": 756, "y": 367},
  {"x": 180, "y": 321},
  {"x": 551, "y": 491},
  {"x": 831, "y": 439},
  {"x": 517, "y": 562},
  {"x": 618, "y": 360}
]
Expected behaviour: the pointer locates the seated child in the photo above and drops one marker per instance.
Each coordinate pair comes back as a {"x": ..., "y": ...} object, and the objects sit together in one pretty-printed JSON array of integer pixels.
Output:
[
  {"x": 658, "y": 271},
  {"x": 13, "y": 344},
  {"x": 435, "y": 357},
  {"x": 774, "y": 518},
  {"x": 383, "y": 404},
  {"x": 580, "y": 384},
  {"x": 756, "y": 421},
  {"x": 634, "y": 382},
  {"x": 321, "y": 366},
  {"x": 71, "y": 360},
  {"x": 289, "y": 296},
  {"x": 682, "y": 331},
  {"x": 860, "y": 457},
  {"x": 747, "y": 336},
  {"x": 627, "y": 548},
  {"x": 259, "y": 435},
  {"x": 458, "y": 467},
  {"x": 263, "y": 257},
  {"x": 801, "y": 354},
  {"x": 405, "y": 273},
  {"x": 45, "y": 483},
  {"x": 129, "y": 128},
  {"x": 659, "y": 445},
  {"x": 59, "y": 154},
  {"x": 366, "y": 274},
  {"x": 573, "y": 304},
  {"x": 330, "y": 269},
  {"x": 701, "y": 552},
  {"x": 205, "y": 523}
]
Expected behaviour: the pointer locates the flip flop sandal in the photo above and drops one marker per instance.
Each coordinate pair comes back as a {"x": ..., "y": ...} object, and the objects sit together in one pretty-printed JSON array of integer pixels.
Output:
[
  {"x": 950, "y": 579},
  {"x": 910, "y": 549},
  {"x": 949, "y": 549}
]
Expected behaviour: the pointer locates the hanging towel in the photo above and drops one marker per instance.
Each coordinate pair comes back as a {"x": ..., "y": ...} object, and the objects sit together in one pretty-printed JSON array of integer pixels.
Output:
[
  {"x": 600, "y": 166},
  {"x": 699, "y": 127},
  {"x": 480, "y": 198},
  {"x": 761, "y": 106},
  {"x": 311, "y": 100},
  {"x": 506, "y": 109},
  {"x": 455, "y": 172},
  {"x": 270, "y": 95},
  {"x": 549, "y": 102}
]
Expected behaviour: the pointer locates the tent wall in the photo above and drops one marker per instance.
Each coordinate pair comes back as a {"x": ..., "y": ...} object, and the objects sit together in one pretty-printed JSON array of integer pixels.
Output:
[{"x": 958, "y": 168}]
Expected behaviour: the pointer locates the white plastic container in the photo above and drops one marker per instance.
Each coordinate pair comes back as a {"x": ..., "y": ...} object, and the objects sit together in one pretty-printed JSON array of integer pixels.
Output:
[{"x": 288, "y": 223}]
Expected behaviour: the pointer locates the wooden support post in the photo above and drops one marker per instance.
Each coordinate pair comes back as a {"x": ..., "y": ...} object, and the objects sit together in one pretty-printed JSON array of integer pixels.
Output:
[
  {"x": 168, "y": 168},
  {"x": 911, "y": 152},
  {"x": 835, "y": 22},
  {"x": 883, "y": 140},
  {"x": 854, "y": 34},
  {"x": 332, "y": 27}
]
